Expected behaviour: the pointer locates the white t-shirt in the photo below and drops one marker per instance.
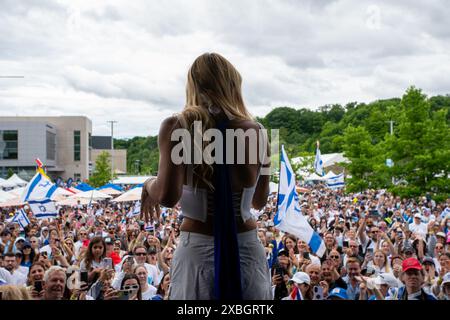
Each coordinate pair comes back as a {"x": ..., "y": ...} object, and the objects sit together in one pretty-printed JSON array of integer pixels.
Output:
[
  {"x": 18, "y": 278},
  {"x": 93, "y": 265},
  {"x": 151, "y": 291},
  {"x": 314, "y": 260},
  {"x": 152, "y": 273},
  {"x": 418, "y": 228},
  {"x": 5, "y": 276}
]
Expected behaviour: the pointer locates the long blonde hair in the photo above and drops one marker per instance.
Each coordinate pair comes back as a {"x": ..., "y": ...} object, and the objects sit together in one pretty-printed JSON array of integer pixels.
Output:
[
  {"x": 11, "y": 292},
  {"x": 212, "y": 82}
]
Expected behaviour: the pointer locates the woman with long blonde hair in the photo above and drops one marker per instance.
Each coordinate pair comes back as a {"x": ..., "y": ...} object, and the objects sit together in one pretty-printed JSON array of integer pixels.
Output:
[{"x": 219, "y": 255}]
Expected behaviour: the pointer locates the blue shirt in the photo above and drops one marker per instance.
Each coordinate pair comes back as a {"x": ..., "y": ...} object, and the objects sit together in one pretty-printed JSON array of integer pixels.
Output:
[{"x": 352, "y": 292}]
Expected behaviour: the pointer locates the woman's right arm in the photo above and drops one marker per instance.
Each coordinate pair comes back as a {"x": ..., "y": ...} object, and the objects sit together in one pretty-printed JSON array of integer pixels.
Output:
[{"x": 167, "y": 187}]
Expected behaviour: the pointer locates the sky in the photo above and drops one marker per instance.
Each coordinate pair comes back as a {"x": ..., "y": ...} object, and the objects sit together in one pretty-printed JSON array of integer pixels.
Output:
[{"x": 128, "y": 60}]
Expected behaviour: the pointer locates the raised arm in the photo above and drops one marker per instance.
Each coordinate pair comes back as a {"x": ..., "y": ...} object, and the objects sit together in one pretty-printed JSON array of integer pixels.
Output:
[{"x": 166, "y": 188}]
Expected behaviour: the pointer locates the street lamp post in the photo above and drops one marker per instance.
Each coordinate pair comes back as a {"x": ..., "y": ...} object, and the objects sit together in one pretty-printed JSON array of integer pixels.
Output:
[{"x": 112, "y": 148}]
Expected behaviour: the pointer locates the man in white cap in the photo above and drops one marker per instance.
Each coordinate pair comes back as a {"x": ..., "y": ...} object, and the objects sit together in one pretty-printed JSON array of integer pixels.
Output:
[
  {"x": 386, "y": 285},
  {"x": 445, "y": 287},
  {"x": 301, "y": 283},
  {"x": 417, "y": 226}
]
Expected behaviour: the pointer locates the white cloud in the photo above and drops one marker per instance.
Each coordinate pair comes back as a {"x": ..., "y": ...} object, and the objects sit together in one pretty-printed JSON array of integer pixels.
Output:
[{"x": 127, "y": 60}]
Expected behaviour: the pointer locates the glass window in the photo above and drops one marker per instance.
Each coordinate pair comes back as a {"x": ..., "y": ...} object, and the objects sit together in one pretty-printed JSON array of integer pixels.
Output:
[
  {"x": 51, "y": 145},
  {"x": 77, "y": 145},
  {"x": 9, "y": 144}
]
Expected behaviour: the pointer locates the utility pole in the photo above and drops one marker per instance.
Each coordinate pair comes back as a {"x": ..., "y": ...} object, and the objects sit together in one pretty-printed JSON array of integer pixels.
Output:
[
  {"x": 391, "y": 130},
  {"x": 112, "y": 148},
  {"x": 391, "y": 127}
]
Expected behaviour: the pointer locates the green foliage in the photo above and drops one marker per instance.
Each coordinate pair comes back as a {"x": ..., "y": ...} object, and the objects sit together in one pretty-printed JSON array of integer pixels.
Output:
[
  {"x": 102, "y": 171},
  {"x": 10, "y": 173},
  {"x": 142, "y": 154},
  {"x": 421, "y": 147}
]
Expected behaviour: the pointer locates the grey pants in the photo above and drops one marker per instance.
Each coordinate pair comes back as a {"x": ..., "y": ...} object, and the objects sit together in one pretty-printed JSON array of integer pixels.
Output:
[{"x": 192, "y": 270}]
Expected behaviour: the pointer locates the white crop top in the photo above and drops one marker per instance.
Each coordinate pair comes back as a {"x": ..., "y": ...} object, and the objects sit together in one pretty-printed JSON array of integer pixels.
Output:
[{"x": 197, "y": 202}]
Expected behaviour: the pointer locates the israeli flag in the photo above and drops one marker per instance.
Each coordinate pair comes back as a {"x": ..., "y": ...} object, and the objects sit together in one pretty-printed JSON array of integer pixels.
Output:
[
  {"x": 43, "y": 209},
  {"x": 40, "y": 187},
  {"x": 289, "y": 217},
  {"x": 21, "y": 218},
  {"x": 137, "y": 209},
  {"x": 318, "y": 163},
  {"x": 336, "y": 181}
]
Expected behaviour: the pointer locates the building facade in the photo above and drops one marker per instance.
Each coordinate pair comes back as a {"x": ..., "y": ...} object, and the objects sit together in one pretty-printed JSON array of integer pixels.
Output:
[
  {"x": 118, "y": 156},
  {"x": 63, "y": 144}
]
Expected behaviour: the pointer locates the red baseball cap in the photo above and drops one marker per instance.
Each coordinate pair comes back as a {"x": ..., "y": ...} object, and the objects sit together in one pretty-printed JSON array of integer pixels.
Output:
[{"x": 411, "y": 263}]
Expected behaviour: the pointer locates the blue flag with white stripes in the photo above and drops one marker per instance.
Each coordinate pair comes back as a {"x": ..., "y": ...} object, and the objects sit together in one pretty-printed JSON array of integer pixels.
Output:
[{"x": 289, "y": 217}]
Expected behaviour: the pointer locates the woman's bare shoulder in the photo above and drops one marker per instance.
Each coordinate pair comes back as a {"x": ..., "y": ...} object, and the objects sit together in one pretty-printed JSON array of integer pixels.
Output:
[{"x": 169, "y": 124}]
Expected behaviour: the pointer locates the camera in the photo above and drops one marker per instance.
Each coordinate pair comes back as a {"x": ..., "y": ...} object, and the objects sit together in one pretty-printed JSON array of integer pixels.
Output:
[
  {"x": 84, "y": 276},
  {"x": 280, "y": 271},
  {"x": 318, "y": 293},
  {"x": 38, "y": 285}
]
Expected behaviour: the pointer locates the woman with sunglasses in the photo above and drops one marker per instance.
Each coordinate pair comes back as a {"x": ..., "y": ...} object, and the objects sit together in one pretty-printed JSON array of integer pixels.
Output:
[
  {"x": 131, "y": 284},
  {"x": 28, "y": 255}
]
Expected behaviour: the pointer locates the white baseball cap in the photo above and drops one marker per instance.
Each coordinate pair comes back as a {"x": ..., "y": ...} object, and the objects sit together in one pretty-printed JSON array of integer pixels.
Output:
[
  {"x": 301, "y": 277},
  {"x": 418, "y": 215},
  {"x": 446, "y": 278},
  {"x": 387, "y": 278}
]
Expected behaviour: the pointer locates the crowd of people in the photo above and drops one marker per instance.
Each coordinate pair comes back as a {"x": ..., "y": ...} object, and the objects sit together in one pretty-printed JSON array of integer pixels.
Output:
[{"x": 378, "y": 247}]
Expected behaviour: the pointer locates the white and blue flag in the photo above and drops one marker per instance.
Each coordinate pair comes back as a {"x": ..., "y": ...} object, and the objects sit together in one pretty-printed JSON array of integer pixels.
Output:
[
  {"x": 43, "y": 209},
  {"x": 336, "y": 181},
  {"x": 40, "y": 187},
  {"x": 289, "y": 217},
  {"x": 318, "y": 163},
  {"x": 21, "y": 218}
]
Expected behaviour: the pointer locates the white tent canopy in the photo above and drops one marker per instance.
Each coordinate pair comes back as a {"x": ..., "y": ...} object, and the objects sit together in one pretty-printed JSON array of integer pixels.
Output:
[
  {"x": 74, "y": 201},
  {"x": 110, "y": 191},
  {"x": 91, "y": 194},
  {"x": 314, "y": 177},
  {"x": 7, "y": 184},
  {"x": 5, "y": 196},
  {"x": 17, "y": 192},
  {"x": 131, "y": 180},
  {"x": 131, "y": 195},
  {"x": 62, "y": 192},
  {"x": 17, "y": 180}
]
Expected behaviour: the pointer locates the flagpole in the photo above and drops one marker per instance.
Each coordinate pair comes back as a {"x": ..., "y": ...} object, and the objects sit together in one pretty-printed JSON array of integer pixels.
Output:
[{"x": 279, "y": 175}]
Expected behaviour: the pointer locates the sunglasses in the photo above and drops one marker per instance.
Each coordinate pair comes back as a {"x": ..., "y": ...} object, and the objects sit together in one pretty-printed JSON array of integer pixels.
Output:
[
  {"x": 334, "y": 257},
  {"x": 133, "y": 287},
  {"x": 140, "y": 254}
]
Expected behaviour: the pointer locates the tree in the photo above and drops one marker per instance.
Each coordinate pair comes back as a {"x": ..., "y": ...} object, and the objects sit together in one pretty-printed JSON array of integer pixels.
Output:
[
  {"x": 421, "y": 148},
  {"x": 359, "y": 150},
  {"x": 10, "y": 173},
  {"x": 102, "y": 171}
]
